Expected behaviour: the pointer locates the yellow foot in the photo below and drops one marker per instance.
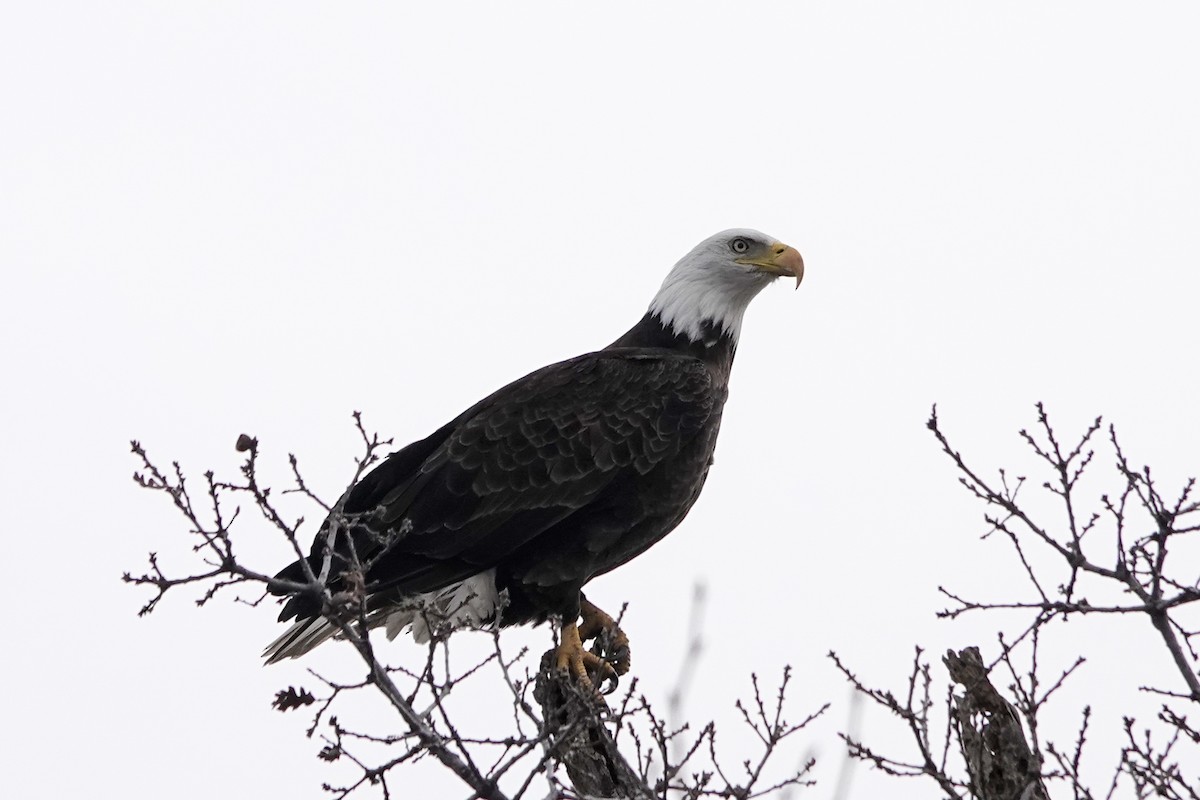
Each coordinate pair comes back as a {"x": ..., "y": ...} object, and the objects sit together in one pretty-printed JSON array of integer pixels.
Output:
[
  {"x": 586, "y": 668},
  {"x": 610, "y": 639}
]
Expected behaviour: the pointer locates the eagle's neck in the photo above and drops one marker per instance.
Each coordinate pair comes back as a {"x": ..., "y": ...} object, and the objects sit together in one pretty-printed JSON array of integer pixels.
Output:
[
  {"x": 699, "y": 297},
  {"x": 712, "y": 344}
]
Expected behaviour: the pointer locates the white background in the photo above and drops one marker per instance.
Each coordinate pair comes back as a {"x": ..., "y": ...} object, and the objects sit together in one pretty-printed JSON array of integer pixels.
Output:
[{"x": 259, "y": 217}]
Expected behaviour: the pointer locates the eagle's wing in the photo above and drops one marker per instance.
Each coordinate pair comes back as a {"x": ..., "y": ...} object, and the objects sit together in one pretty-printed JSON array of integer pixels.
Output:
[{"x": 518, "y": 463}]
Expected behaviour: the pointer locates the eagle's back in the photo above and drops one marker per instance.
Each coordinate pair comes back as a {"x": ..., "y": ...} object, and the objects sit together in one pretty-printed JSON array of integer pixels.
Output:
[{"x": 559, "y": 476}]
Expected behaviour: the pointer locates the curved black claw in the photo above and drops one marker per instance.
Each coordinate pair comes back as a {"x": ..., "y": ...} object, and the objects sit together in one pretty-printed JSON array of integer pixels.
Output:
[{"x": 601, "y": 671}]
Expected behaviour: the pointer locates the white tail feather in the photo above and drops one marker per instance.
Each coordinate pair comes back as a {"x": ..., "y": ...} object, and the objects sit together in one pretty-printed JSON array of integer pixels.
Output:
[
  {"x": 299, "y": 639},
  {"x": 469, "y": 603}
]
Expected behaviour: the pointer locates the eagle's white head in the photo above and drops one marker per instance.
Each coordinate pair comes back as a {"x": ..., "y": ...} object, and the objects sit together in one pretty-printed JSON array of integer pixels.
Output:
[{"x": 715, "y": 282}]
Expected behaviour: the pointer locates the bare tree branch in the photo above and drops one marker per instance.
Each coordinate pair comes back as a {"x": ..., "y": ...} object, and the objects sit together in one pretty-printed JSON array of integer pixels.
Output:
[{"x": 554, "y": 723}]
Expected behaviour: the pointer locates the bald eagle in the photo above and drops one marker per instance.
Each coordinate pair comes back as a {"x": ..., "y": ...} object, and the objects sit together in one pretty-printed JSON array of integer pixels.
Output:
[{"x": 505, "y": 512}]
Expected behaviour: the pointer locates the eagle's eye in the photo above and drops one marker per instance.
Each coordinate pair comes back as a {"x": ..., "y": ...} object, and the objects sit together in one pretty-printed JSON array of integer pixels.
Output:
[{"x": 739, "y": 245}]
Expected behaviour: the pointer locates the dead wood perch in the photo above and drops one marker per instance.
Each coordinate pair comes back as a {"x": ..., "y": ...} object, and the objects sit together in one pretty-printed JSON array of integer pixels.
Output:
[
  {"x": 999, "y": 761},
  {"x": 574, "y": 725}
]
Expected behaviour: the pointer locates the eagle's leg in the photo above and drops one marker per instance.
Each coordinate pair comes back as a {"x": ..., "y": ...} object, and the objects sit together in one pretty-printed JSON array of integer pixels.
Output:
[
  {"x": 571, "y": 658},
  {"x": 613, "y": 642}
]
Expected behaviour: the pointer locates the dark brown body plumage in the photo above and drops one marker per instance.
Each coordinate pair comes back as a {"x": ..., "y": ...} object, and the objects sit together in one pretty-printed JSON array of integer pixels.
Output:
[{"x": 558, "y": 477}]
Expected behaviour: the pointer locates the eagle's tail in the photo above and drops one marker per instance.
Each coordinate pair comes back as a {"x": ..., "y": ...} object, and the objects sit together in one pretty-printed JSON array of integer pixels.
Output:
[
  {"x": 299, "y": 639},
  {"x": 468, "y": 603}
]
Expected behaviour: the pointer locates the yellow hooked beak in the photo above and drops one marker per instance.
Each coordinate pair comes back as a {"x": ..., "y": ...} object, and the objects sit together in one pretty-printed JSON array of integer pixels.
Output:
[{"x": 779, "y": 260}]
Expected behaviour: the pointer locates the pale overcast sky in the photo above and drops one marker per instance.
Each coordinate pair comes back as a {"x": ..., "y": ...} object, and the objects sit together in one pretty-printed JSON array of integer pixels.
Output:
[{"x": 252, "y": 217}]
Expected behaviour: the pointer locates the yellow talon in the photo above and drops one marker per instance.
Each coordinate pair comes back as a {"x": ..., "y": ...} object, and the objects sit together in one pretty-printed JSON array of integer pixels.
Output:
[
  {"x": 613, "y": 641},
  {"x": 572, "y": 659}
]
